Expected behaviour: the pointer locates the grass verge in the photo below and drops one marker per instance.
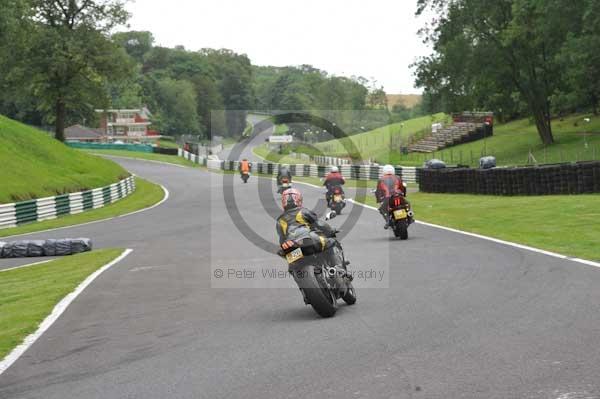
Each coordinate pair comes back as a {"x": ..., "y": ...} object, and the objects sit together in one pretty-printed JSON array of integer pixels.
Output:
[
  {"x": 263, "y": 151},
  {"x": 569, "y": 225},
  {"x": 35, "y": 165},
  {"x": 145, "y": 195},
  {"x": 29, "y": 294},
  {"x": 280, "y": 129},
  {"x": 167, "y": 143},
  {"x": 575, "y": 140},
  {"x": 372, "y": 143}
]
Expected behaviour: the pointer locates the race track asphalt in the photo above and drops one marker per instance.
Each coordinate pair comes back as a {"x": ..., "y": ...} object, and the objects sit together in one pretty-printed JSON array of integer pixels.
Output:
[{"x": 460, "y": 317}]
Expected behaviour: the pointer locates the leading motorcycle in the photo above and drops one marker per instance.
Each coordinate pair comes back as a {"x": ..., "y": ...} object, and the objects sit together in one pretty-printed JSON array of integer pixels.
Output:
[
  {"x": 245, "y": 176},
  {"x": 400, "y": 216},
  {"x": 337, "y": 199},
  {"x": 320, "y": 282}
]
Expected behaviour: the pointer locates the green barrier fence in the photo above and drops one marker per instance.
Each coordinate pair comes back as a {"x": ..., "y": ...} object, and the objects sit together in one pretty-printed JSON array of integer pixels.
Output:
[{"x": 107, "y": 146}]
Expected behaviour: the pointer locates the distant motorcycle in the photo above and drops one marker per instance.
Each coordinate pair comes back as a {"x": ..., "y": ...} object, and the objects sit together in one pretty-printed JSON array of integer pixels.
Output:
[
  {"x": 285, "y": 184},
  {"x": 320, "y": 282},
  {"x": 337, "y": 201},
  {"x": 245, "y": 176},
  {"x": 400, "y": 216}
]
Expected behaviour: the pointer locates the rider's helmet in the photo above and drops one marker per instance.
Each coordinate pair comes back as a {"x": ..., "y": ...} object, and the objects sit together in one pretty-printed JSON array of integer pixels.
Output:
[
  {"x": 389, "y": 170},
  {"x": 291, "y": 198},
  {"x": 334, "y": 169}
]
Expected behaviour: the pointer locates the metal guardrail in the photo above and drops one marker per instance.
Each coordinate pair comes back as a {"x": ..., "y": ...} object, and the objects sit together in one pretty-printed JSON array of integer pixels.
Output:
[{"x": 12, "y": 215}]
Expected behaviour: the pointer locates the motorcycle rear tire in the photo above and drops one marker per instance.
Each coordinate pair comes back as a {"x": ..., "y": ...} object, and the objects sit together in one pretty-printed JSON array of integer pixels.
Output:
[
  {"x": 319, "y": 296},
  {"x": 401, "y": 230}
]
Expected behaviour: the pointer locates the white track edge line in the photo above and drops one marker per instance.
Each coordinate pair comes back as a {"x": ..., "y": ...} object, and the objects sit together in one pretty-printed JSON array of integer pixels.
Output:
[
  {"x": 58, "y": 310},
  {"x": 27, "y": 265},
  {"x": 496, "y": 240},
  {"x": 165, "y": 197}
]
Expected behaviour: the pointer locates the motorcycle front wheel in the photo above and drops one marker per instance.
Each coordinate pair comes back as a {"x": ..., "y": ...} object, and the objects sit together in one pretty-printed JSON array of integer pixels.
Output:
[
  {"x": 350, "y": 297},
  {"x": 337, "y": 207}
]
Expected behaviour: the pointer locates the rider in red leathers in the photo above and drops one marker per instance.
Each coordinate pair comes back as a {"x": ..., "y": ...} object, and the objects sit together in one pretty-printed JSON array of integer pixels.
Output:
[
  {"x": 333, "y": 179},
  {"x": 387, "y": 185}
]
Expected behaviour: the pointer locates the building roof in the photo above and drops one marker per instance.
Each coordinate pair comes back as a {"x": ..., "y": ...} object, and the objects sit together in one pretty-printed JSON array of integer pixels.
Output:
[
  {"x": 118, "y": 110},
  {"x": 82, "y": 132}
]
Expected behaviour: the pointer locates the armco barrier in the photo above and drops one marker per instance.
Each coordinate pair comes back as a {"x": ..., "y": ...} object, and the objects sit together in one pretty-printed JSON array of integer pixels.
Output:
[
  {"x": 568, "y": 178},
  {"x": 36, "y": 210},
  {"x": 359, "y": 172},
  {"x": 109, "y": 146},
  {"x": 123, "y": 147}
]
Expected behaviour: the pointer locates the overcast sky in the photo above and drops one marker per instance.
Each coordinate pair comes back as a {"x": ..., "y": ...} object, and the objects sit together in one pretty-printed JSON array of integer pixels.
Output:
[{"x": 375, "y": 39}]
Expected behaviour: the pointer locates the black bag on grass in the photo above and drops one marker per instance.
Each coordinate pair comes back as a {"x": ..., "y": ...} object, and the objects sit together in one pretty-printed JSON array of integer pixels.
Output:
[
  {"x": 435, "y": 164},
  {"x": 17, "y": 249},
  {"x": 35, "y": 248},
  {"x": 487, "y": 162},
  {"x": 79, "y": 245},
  {"x": 50, "y": 247},
  {"x": 62, "y": 247}
]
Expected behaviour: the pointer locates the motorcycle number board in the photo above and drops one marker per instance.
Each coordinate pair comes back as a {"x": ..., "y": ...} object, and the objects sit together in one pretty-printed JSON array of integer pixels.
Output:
[
  {"x": 400, "y": 214},
  {"x": 294, "y": 255},
  {"x": 337, "y": 198}
]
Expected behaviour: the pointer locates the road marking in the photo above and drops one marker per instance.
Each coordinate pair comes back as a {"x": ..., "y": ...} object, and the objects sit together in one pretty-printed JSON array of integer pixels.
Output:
[
  {"x": 27, "y": 265},
  {"x": 166, "y": 197},
  {"x": 496, "y": 240},
  {"x": 58, "y": 310}
]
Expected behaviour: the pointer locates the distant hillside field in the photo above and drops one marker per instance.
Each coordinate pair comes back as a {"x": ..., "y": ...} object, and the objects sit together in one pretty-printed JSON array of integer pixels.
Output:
[
  {"x": 377, "y": 142},
  {"x": 34, "y": 165},
  {"x": 408, "y": 100},
  {"x": 575, "y": 140}
]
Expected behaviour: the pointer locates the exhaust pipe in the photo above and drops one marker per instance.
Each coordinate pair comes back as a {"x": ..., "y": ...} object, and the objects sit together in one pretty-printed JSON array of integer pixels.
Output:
[
  {"x": 411, "y": 214},
  {"x": 331, "y": 271}
]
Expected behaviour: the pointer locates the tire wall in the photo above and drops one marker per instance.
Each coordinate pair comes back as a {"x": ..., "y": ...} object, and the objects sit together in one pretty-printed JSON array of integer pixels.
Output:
[{"x": 556, "y": 179}]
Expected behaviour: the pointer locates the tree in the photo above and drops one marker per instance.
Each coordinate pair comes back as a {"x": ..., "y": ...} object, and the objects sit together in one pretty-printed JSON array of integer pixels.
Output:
[
  {"x": 177, "y": 107},
  {"x": 68, "y": 58},
  {"x": 377, "y": 98},
  {"x": 136, "y": 43},
  {"x": 485, "y": 47},
  {"x": 581, "y": 62}
]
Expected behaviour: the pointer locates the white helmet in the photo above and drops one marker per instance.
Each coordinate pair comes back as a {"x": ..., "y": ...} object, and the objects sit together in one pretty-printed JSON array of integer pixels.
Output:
[
  {"x": 389, "y": 170},
  {"x": 335, "y": 169}
]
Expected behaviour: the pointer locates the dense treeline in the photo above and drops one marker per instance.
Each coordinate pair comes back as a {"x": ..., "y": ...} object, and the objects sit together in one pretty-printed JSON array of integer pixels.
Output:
[
  {"x": 60, "y": 60},
  {"x": 187, "y": 90},
  {"x": 354, "y": 103},
  {"x": 534, "y": 58}
]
